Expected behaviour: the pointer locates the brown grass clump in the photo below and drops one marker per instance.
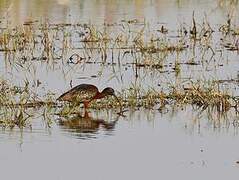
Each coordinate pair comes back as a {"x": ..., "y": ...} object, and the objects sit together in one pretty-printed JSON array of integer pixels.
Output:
[{"x": 202, "y": 97}]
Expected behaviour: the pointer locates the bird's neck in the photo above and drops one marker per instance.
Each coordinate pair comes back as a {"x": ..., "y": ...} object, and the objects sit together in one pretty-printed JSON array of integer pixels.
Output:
[{"x": 99, "y": 95}]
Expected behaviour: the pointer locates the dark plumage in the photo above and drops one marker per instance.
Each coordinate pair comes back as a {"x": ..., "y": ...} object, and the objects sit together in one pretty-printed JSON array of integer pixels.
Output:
[
  {"x": 80, "y": 93},
  {"x": 85, "y": 93}
]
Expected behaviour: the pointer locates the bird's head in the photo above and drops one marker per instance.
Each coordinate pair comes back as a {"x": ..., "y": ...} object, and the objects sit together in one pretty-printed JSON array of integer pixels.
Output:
[{"x": 108, "y": 91}]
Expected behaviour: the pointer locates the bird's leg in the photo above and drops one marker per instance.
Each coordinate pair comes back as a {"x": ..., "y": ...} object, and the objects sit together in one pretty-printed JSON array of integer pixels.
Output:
[
  {"x": 86, "y": 104},
  {"x": 86, "y": 115}
]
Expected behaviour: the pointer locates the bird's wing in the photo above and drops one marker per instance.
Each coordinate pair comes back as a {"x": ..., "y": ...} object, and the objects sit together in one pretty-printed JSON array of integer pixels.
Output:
[
  {"x": 85, "y": 92},
  {"x": 82, "y": 92}
]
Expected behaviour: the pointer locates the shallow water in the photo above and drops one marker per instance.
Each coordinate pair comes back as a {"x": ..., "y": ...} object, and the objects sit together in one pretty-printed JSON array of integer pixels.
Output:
[
  {"x": 180, "y": 142},
  {"x": 148, "y": 145}
]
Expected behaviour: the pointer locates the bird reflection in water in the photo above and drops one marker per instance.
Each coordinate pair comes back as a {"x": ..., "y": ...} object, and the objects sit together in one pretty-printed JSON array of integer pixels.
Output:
[{"x": 86, "y": 127}]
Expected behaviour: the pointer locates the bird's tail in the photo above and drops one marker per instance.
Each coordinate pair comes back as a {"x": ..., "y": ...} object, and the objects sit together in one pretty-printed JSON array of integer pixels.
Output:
[{"x": 63, "y": 97}]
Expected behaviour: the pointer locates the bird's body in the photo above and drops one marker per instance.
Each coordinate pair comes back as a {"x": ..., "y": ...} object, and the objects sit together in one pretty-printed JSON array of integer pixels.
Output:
[
  {"x": 85, "y": 93},
  {"x": 80, "y": 93}
]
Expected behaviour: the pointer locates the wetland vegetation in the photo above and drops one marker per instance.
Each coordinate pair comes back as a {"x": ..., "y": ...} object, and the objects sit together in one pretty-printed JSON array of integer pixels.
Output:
[
  {"x": 173, "y": 65},
  {"x": 146, "y": 50}
]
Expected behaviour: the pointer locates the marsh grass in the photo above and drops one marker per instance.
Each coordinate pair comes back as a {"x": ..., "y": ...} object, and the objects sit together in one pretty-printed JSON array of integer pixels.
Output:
[
  {"x": 129, "y": 42},
  {"x": 196, "y": 94},
  {"x": 18, "y": 105},
  {"x": 148, "y": 47}
]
